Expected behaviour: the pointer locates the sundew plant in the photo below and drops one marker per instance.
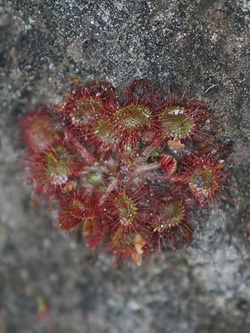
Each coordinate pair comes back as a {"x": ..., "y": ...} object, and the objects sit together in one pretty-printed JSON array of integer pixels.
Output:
[{"x": 128, "y": 171}]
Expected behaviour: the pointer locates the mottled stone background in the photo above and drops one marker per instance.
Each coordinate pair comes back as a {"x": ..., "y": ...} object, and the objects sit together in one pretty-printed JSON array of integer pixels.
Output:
[{"x": 202, "y": 45}]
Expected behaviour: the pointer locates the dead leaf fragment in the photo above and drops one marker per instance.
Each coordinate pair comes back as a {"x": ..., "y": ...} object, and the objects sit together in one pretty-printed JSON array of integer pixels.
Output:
[
  {"x": 139, "y": 244},
  {"x": 176, "y": 144}
]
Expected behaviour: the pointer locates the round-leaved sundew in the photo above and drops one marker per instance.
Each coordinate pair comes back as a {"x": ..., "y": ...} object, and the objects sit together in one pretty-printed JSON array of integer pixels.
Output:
[{"x": 128, "y": 168}]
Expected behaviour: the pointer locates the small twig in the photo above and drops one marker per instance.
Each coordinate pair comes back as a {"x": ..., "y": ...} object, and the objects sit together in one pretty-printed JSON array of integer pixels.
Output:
[
  {"x": 211, "y": 87},
  {"x": 146, "y": 168}
]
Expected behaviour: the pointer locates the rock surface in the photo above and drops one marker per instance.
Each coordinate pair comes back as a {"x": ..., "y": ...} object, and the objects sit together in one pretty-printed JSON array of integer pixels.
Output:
[{"x": 48, "y": 281}]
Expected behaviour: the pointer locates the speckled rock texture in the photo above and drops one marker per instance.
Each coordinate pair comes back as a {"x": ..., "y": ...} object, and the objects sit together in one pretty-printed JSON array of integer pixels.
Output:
[{"x": 49, "y": 282}]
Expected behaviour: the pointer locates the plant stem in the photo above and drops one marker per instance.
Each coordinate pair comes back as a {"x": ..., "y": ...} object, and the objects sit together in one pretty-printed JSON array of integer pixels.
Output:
[
  {"x": 90, "y": 159},
  {"x": 109, "y": 189}
]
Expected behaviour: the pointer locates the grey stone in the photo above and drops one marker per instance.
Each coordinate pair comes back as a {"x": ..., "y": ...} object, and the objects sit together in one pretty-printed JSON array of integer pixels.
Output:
[{"x": 199, "y": 45}]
